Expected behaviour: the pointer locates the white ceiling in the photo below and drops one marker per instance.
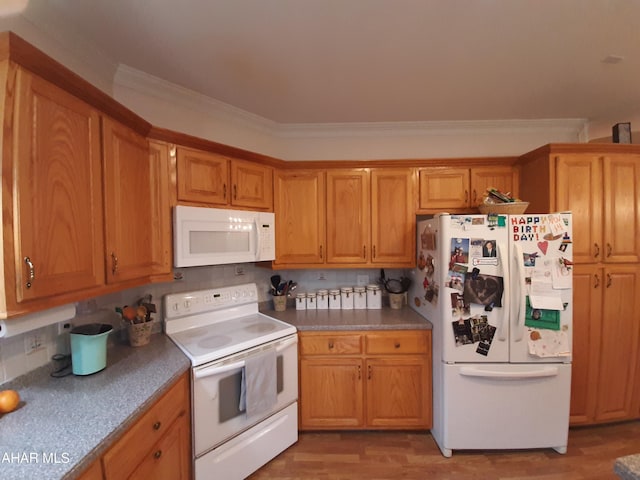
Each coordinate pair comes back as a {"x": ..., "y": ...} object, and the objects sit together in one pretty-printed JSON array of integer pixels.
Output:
[{"x": 327, "y": 61}]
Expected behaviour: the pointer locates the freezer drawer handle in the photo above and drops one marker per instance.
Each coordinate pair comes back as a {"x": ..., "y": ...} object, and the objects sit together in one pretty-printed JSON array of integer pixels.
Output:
[{"x": 506, "y": 375}]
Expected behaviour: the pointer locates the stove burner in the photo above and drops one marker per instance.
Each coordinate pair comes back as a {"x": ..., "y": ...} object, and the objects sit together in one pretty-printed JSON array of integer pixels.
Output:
[
  {"x": 214, "y": 341},
  {"x": 260, "y": 327}
]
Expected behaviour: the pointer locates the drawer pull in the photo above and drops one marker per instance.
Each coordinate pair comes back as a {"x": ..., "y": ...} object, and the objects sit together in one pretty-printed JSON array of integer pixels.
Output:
[
  {"x": 359, "y": 372},
  {"x": 396, "y": 345},
  {"x": 330, "y": 344},
  {"x": 156, "y": 426},
  {"x": 158, "y": 454},
  {"x": 369, "y": 372}
]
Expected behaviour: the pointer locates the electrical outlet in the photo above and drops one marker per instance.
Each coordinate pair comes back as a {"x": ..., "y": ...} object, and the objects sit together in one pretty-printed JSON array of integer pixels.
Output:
[
  {"x": 239, "y": 269},
  {"x": 362, "y": 280},
  {"x": 64, "y": 327},
  {"x": 322, "y": 276},
  {"x": 32, "y": 343}
]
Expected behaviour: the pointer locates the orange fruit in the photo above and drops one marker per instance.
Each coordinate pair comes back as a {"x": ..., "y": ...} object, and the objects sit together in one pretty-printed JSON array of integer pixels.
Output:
[{"x": 9, "y": 400}]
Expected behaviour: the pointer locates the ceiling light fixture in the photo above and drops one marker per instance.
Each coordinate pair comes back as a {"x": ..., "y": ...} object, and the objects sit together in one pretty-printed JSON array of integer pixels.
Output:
[{"x": 612, "y": 59}]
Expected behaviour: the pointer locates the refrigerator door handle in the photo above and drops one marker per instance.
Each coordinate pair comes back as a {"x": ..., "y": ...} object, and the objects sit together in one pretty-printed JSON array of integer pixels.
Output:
[
  {"x": 506, "y": 281},
  {"x": 519, "y": 302},
  {"x": 547, "y": 371}
]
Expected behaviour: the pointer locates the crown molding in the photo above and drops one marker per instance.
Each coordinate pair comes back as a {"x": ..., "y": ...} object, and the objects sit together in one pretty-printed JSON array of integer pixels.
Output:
[{"x": 150, "y": 85}]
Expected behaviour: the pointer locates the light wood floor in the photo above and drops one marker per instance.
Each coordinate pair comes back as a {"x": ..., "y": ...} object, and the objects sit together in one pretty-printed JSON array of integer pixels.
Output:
[{"x": 402, "y": 455}]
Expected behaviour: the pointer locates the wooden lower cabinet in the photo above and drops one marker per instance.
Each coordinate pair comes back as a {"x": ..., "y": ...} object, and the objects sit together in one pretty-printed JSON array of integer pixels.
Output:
[
  {"x": 372, "y": 380},
  {"x": 606, "y": 344},
  {"x": 157, "y": 446}
]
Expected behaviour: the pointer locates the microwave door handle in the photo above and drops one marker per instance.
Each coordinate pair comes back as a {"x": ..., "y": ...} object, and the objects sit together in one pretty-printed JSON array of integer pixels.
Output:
[{"x": 256, "y": 222}]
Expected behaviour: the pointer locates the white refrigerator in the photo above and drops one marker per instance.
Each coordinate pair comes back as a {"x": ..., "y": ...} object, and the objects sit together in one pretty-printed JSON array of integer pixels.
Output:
[{"x": 498, "y": 291}]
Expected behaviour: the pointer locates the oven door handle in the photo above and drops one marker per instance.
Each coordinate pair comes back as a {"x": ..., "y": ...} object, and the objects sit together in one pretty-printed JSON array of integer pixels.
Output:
[{"x": 213, "y": 370}]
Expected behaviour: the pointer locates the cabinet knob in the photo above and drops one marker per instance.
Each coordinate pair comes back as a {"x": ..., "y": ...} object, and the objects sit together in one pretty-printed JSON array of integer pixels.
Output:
[
  {"x": 396, "y": 345},
  {"x": 330, "y": 344},
  {"x": 32, "y": 271},
  {"x": 157, "y": 425},
  {"x": 158, "y": 454}
]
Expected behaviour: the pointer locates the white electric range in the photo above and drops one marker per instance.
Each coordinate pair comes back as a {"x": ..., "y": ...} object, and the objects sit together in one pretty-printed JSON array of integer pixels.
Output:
[{"x": 244, "y": 378}]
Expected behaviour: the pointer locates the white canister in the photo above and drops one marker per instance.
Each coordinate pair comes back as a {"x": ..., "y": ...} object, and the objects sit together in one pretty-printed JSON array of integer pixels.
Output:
[
  {"x": 311, "y": 301},
  {"x": 374, "y": 297},
  {"x": 334, "y": 299},
  {"x": 346, "y": 298},
  {"x": 322, "y": 299},
  {"x": 301, "y": 301},
  {"x": 359, "y": 298}
]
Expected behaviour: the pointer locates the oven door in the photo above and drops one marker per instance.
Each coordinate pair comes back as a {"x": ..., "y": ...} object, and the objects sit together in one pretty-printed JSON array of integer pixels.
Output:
[{"x": 216, "y": 394}]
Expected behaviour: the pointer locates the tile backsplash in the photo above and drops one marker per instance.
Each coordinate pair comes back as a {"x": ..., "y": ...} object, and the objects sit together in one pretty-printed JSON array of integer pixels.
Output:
[{"x": 14, "y": 361}]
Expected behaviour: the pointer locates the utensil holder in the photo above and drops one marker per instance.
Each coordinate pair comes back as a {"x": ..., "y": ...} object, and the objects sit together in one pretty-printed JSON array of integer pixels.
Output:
[
  {"x": 280, "y": 303},
  {"x": 139, "y": 333}
]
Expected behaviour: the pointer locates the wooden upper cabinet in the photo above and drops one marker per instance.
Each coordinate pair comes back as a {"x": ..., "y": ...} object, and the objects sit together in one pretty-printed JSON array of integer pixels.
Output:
[
  {"x": 130, "y": 202},
  {"x": 349, "y": 217},
  {"x": 462, "y": 188},
  {"x": 202, "y": 177},
  {"x": 443, "y": 188},
  {"x": 621, "y": 182},
  {"x": 578, "y": 189},
  {"x": 392, "y": 216},
  {"x": 299, "y": 202},
  {"x": 502, "y": 177},
  {"x": 214, "y": 179},
  {"x": 251, "y": 185},
  {"x": 57, "y": 192},
  {"x": 161, "y": 216}
]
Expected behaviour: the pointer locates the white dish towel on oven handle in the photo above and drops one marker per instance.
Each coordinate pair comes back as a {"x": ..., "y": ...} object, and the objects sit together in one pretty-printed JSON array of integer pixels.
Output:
[{"x": 258, "y": 390}]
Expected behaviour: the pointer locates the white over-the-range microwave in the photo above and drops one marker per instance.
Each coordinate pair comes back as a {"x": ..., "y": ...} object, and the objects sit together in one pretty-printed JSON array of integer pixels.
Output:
[{"x": 215, "y": 236}]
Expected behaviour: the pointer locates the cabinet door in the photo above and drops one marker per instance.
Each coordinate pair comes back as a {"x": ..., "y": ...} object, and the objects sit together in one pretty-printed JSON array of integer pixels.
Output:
[
  {"x": 203, "y": 177},
  {"x": 619, "y": 342},
  {"x": 501, "y": 177},
  {"x": 621, "y": 208},
  {"x": 397, "y": 392},
  {"x": 57, "y": 190},
  {"x": 251, "y": 185},
  {"x": 443, "y": 188},
  {"x": 161, "y": 217},
  {"x": 330, "y": 392},
  {"x": 300, "y": 217},
  {"x": 588, "y": 285},
  {"x": 130, "y": 203},
  {"x": 578, "y": 188},
  {"x": 393, "y": 218},
  {"x": 170, "y": 458},
  {"x": 348, "y": 215}
]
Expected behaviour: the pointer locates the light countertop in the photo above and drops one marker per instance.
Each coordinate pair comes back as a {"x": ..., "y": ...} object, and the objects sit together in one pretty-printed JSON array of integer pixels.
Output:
[
  {"x": 64, "y": 424},
  {"x": 383, "y": 319}
]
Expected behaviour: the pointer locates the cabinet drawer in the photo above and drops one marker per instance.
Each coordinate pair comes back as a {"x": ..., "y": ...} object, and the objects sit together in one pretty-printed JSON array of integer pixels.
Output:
[
  {"x": 401, "y": 342},
  {"x": 127, "y": 453},
  {"x": 318, "y": 344}
]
